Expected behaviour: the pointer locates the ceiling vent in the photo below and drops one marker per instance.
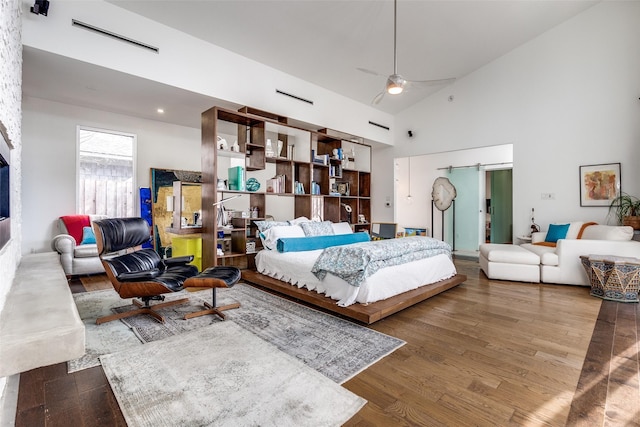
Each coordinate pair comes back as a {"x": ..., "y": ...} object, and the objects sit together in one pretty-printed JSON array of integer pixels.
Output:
[
  {"x": 88, "y": 27},
  {"x": 378, "y": 125},
  {"x": 294, "y": 96}
]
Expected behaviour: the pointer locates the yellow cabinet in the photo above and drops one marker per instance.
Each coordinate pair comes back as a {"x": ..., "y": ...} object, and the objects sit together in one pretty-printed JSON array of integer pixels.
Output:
[{"x": 188, "y": 245}]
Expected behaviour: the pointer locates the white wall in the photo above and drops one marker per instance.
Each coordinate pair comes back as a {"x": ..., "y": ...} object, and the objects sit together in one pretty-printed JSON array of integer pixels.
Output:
[
  {"x": 190, "y": 63},
  {"x": 565, "y": 99},
  {"x": 424, "y": 171},
  {"x": 49, "y": 164},
  {"x": 10, "y": 115}
]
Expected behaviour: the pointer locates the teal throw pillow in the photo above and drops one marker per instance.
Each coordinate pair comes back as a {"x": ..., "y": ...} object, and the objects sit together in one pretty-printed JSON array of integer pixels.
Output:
[
  {"x": 556, "y": 232},
  {"x": 87, "y": 236}
]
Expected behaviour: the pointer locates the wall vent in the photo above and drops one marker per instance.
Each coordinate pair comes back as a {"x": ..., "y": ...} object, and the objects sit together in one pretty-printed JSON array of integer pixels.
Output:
[
  {"x": 107, "y": 33},
  {"x": 379, "y": 125},
  {"x": 294, "y": 96}
]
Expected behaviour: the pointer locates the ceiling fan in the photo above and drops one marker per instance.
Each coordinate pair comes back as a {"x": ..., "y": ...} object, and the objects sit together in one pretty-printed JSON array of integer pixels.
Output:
[{"x": 395, "y": 82}]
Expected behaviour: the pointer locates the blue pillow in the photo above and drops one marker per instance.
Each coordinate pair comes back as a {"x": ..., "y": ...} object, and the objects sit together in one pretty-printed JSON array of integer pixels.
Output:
[
  {"x": 310, "y": 243},
  {"x": 87, "y": 236},
  {"x": 556, "y": 232}
]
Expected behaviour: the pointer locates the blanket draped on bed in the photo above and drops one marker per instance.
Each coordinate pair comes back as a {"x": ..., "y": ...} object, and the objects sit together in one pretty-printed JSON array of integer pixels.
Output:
[{"x": 354, "y": 263}]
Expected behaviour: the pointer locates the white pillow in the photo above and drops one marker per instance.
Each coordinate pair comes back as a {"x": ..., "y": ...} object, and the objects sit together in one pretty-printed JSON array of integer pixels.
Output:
[
  {"x": 341, "y": 228},
  {"x": 315, "y": 228},
  {"x": 270, "y": 237},
  {"x": 574, "y": 229},
  {"x": 608, "y": 232},
  {"x": 298, "y": 220}
]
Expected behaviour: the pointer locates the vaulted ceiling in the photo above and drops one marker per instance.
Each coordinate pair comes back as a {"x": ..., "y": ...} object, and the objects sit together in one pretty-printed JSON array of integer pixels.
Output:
[{"x": 324, "y": 42}]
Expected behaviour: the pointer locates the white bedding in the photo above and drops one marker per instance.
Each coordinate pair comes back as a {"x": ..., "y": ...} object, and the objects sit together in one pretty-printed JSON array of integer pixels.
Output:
[{"x": 295, "y": 268}]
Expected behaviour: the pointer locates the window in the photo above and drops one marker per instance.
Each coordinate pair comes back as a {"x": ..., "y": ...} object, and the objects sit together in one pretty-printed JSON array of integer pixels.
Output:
[{"x": 106, "y": 171}]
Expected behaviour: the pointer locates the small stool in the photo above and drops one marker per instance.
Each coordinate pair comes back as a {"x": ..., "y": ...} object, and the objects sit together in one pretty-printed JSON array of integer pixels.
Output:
[
  {"x": 612, "y": 277},
  {"x": 214, "y": 277}
]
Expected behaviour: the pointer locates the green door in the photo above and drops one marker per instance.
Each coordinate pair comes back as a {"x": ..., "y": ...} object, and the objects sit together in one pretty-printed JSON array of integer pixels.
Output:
[
  {"x": 465, "y": 226},
  {"x": 501, "y": 206}
]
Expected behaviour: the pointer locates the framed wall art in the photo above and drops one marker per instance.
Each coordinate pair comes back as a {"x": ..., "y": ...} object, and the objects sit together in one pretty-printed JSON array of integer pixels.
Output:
[{"x": 599, "y": 184}]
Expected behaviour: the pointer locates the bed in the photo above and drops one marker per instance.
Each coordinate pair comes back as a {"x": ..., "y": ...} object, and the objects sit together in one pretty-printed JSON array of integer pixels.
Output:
[{"x": 388, "y": 290}]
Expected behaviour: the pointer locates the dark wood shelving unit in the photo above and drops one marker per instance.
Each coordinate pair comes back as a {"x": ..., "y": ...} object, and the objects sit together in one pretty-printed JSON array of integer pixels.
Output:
[{"x": 252, "y": 126}]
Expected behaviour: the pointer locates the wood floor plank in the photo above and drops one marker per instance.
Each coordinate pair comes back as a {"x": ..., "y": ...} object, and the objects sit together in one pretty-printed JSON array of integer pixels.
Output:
[
  {"x": 31, "y": 417},
  {"x": 483, "y": 353}
]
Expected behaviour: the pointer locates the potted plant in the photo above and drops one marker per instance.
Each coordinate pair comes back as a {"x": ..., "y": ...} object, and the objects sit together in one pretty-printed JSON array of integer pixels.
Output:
[{"x": 627, "y": 210}]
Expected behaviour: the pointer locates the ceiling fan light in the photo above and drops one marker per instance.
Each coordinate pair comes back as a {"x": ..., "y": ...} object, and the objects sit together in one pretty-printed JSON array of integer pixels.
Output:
[
  {"x": 395, "y": 84},
  {"x": 394, "y": 89}
]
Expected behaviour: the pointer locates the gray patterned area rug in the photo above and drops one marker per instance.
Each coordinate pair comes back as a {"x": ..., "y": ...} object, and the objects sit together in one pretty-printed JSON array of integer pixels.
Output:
[
  {"x": 337, "y": 348},
  {"x": 223, "y": 375}
]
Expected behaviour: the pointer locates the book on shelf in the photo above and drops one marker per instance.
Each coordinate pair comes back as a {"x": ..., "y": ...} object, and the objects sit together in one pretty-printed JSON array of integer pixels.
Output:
[
  {"x": 321, "y": 159},
  {"x": 298, "y": 188},
  {"x": 236, "y": 178},
  {"x": 315, "y": 187},
  {"x": 277, "y": 184},
  {"x": 335, "y": 171}
]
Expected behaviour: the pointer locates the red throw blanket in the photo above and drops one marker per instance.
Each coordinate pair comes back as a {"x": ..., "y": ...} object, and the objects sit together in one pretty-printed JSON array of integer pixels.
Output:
[{"x": 75, "y": 224}]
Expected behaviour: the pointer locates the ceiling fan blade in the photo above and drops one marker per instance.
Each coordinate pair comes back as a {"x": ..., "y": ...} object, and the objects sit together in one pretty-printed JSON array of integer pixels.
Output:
[
  {"x": 432, "y": 82},
  {"x": 378, "y": 98},
  {"x": 364, "y": 70}
]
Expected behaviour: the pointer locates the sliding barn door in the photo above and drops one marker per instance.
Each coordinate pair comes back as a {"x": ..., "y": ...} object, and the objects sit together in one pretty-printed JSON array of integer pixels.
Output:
[{"x": 465, "y": 224}]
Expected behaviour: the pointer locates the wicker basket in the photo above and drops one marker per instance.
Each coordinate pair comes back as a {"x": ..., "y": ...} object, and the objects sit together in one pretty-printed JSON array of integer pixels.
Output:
[{"x": 633, "y": 221}]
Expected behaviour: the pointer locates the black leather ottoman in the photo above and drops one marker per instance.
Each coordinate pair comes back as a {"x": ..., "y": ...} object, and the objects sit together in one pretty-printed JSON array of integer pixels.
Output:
[{"x": 214, "y": 277}]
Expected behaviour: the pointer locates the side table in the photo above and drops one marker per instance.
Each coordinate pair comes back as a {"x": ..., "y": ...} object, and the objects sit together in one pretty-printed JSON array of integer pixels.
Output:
[{"x": 613, "y": 278}]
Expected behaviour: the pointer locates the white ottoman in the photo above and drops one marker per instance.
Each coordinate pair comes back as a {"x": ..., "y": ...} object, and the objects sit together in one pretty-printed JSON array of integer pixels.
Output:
[{"x": 509, "y": 262}]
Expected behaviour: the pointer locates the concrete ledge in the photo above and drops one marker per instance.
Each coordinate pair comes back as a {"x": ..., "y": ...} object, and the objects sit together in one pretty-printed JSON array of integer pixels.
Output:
[{"x": 39, "y": 324}]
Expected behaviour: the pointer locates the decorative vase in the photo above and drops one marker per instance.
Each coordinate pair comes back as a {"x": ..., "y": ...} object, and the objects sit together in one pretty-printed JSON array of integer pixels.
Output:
[
  {"x": 222, "y": 143},
  {"x": 633, "y": 221},
  {"x": 268, "y": 150},
  {"x": 253, "y": 184}
]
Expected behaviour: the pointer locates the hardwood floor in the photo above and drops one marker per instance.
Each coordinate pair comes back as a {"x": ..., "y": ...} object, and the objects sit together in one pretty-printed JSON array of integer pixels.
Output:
[{"x": 487, "y": 352}]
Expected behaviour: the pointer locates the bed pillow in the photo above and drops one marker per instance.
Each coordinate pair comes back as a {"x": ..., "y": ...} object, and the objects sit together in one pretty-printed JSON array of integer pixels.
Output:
[
  {"x": 74, "y": 225},
  {"x": 310, "y": 243},
  {"x": 341, "y": 228},
  {"x": 298, "y": 220},
  {"x": 270, "y": 236},
  {"x": 265, "y": 225},
  {"x": 87, "y": 236},
  {"x": 556, "y": 232},
  {"x": 315, "y": 228},
  {"x": 608, "y": 232}
]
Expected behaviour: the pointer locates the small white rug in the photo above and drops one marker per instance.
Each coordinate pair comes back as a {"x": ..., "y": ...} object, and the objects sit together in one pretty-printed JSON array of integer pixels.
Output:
[{"x": 223, "y": 375}]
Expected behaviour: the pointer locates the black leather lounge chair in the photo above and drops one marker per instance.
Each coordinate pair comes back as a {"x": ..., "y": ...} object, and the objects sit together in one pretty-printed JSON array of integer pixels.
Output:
[{"x": 136, "y": 272}]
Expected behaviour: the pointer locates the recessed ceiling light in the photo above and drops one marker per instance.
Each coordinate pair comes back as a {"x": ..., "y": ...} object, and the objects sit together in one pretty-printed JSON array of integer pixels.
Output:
[{"x": 160, "y": 110}]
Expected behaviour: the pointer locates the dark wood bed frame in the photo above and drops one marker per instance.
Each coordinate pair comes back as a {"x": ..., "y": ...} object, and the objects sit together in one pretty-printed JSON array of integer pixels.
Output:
[{"x": 365, "y": 313}]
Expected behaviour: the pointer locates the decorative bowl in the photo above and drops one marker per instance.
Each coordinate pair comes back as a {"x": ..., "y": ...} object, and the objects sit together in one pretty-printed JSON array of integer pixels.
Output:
[{"x": 253, "y": 184}]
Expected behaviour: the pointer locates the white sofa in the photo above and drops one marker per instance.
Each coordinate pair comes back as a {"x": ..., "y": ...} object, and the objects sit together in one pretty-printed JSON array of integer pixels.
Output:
[{"x": 560, "y": 264}]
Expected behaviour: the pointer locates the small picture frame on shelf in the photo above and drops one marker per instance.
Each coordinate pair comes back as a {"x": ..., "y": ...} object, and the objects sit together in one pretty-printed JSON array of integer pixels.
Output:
[{"x": 343, "y": 188}]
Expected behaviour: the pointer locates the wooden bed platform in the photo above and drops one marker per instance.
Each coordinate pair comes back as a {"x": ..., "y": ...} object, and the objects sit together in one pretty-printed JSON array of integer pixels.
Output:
[{"x": 365, "y": 313}]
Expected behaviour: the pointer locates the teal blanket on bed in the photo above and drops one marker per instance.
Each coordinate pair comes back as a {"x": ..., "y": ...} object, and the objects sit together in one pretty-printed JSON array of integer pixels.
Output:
[{"x": 354, "y": 263}]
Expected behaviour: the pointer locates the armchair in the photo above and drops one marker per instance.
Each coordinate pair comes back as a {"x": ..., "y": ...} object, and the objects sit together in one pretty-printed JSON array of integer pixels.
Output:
[
  {"x": 76, "y": 258},
  {"x": 135, "y": 272}
]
